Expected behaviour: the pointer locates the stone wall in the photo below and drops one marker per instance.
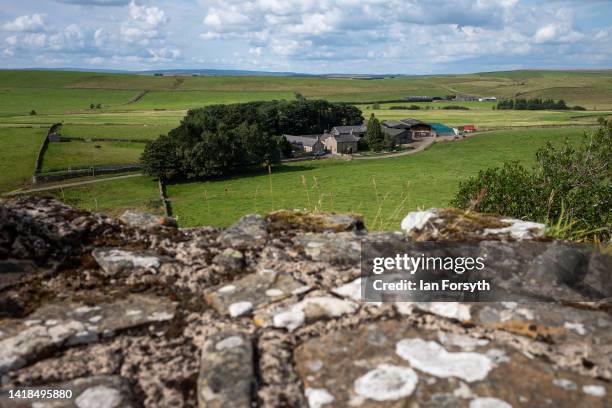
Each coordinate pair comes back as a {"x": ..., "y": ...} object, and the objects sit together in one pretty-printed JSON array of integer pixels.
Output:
[{"x": 135, "y": 312}]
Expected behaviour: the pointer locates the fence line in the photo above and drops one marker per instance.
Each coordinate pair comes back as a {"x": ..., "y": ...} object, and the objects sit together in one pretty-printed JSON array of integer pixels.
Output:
[{"x": 83, "y": 172}]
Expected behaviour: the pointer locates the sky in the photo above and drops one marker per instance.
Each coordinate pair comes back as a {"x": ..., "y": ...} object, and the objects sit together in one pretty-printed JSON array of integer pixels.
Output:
[{"x": 307, "y": 36}]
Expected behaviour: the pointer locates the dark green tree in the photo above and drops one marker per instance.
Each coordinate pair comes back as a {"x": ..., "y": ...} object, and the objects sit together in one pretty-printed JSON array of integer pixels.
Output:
[
  {"x": 375, "y": 137},
  {"x": 160, "y": 158}
]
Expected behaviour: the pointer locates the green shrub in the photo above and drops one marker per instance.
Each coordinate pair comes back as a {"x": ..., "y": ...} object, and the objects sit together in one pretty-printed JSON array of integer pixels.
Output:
[
  {"x": 455, "y": 107},
  {"x": 568, "y": 182}
]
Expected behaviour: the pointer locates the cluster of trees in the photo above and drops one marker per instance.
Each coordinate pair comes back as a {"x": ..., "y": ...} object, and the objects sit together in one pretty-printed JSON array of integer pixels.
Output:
[
  {"x": 569, "y": 186},
  {"x": 223, "y": 139},
  {"x": 455, "y": 107},
  {"x": 535, "y": 104},
  {"x": 95, "y": 106},
  {"x": 375, "y": 139}
]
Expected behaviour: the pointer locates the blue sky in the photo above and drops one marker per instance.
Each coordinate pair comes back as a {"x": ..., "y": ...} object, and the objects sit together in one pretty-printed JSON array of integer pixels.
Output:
[{"x": 312, "y": 36}]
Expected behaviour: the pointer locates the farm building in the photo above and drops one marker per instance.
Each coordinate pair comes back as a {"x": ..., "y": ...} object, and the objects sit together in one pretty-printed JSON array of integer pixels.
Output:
[
  {"x": 417, "y": 128},
  {"x": 487, "y": 99},
  {"x": 440, "y": 129},
  {"x": 399, "y": 131},
  {"x": 465, "y": 98},
  {"x": 469, "y": 128},
  {"x": 306, "y": 143},
  {"x": 413, "y": 98}
]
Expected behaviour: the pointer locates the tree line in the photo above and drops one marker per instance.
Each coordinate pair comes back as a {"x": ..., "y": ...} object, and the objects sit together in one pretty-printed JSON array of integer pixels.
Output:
[
  {"x": 535, "y": 104},
  {"x": 218, "y": 140}
]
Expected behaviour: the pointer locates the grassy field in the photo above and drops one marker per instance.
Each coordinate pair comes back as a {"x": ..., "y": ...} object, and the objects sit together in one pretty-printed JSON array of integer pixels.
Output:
[
  {"x": 51, "y": 92},
  {"x": 382, "y": 190},
  {"x": 18, "y": 150},
  {"x": 483, "y": 116},
  {"x": 134, "y": 131},
  {"x": 144, "y": 106},
  {"x": 74, "y": 154}
]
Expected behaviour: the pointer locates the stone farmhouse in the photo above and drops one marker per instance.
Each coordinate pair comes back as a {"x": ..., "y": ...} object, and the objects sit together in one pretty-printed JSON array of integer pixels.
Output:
[{"x": 345, "y": 139}]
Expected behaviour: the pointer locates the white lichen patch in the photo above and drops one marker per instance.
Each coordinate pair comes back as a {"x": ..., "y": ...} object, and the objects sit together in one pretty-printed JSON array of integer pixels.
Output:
[
  {"x": 133, "y": 312},
  {"x": 386, "y": 383},
  {"x": 352, "y": 290},
  {"x": 274, "y": 292},
  {"x": 432, "y": 358},
  {"x": 314, "y": 307},
  {"x": 594, "y": 390},
  {"x": 463, "y": 391},
  {"x": 290, "y": 319},
  {"x": 99, "y": 397},
  {"x": 229, "y": 342},
  {"x": 300, "y": 290},
  {"x": 416, "y": 220},
  {"x": 451, "y": 310},
  {"x": 161, "y": 316},
  {"x": 139, "y": 261},
  {"x": 227, "y": 289},
  {"x": 576, "y": 327},
  {"x": 518, "y": 229},
  {"x": 240, "y": 308},
  {"x": 489, "y": 402},
  {"x": 565, "y": 384},
  {"x": 317, "y": 397},
  {"x": 463, "y": 341}
]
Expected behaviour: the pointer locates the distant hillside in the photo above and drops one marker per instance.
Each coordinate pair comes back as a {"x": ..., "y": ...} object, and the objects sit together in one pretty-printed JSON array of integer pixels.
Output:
[{"x": 182, "y": 89}]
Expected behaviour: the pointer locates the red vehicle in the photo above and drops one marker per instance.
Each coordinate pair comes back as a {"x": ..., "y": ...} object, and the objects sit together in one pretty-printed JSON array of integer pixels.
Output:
[{"x": 469, "y": 128}]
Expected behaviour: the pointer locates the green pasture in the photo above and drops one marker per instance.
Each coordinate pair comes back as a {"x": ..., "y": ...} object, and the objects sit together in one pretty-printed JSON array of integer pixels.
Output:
[
  {"x": 482, "y": 117},
  {"x": 133, "y": 131},
  {"x": 76, "y": 154},
  {"x": 382, "y": 190},
  {"x": 19, "y": 147},
  {"x": 20, "y": 101}
]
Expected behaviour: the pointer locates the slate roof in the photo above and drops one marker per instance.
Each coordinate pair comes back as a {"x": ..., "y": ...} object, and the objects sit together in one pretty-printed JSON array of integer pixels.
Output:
[
  {"x": 346, "y": 137},
  {"x": 348, "y": 129},
  {"x": 411, "y": 121},
  {"x": 395, "y": 124},
  {"x": 304, "y": 140}
]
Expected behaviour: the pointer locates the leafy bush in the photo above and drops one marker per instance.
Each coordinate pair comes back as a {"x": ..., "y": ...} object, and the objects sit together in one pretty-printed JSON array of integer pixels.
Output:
[
  {"x": 567, "y": 182},
  {"x": 32, "y": 112},
  {"x": 457, "y": 107},
  {"x": 411, "y": 107}
]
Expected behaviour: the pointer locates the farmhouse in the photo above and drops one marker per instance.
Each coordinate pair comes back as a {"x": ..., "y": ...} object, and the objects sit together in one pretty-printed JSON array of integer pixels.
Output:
[
  {"x": 306, "y": 143},
  {"x": 343, "y": 139},
  {"x": 487, "y": 99}
]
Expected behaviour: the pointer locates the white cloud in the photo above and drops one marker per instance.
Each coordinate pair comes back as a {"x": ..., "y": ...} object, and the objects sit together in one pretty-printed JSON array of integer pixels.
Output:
[
  {"x": 164, "y": 54},
  {"x": 255, "y": 51},
  {"x": 143, "y": 23},
  {"x": 28, "y": 23}
]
